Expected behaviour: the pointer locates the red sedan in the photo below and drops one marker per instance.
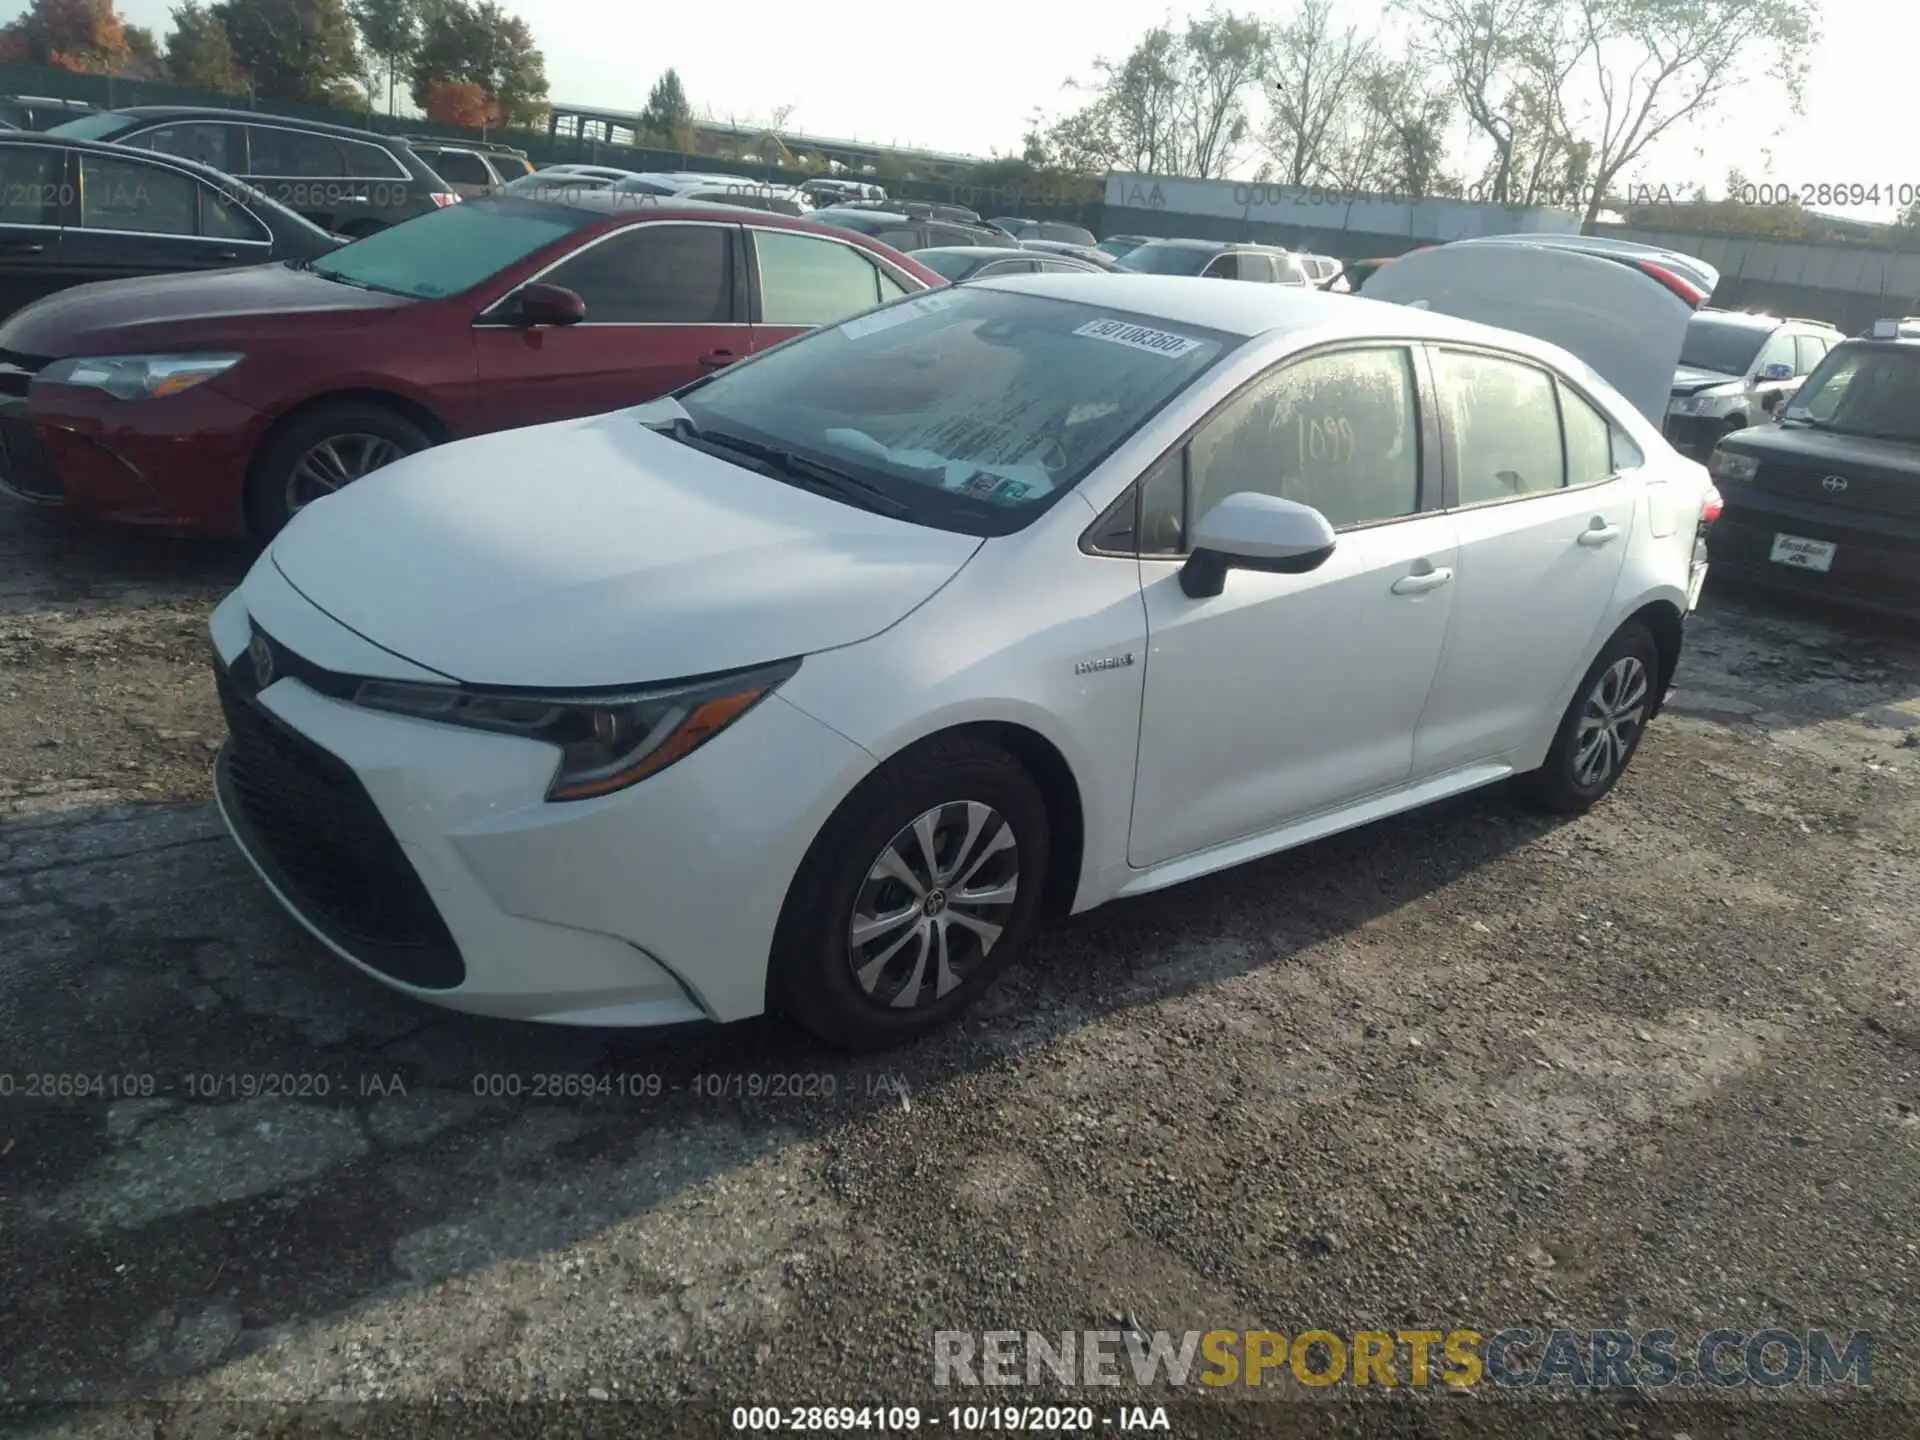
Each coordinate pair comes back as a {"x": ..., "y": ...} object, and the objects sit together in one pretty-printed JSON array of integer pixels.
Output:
[{"x": 224, "y": 402}]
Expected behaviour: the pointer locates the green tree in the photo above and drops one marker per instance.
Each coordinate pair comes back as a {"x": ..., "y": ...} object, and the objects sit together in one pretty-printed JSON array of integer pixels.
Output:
[
  {"x": 390, "y": 30},
  {"x": 668, "y": 115},
  {"x": 299, "y": 50},
  {"x": 483, "y": 46},
  {"x": 199, "y": 53}
]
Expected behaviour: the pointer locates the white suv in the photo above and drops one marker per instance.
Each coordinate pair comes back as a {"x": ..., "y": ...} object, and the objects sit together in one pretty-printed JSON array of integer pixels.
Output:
[
  {"x": 808, "y": 685},
  {"x": 1737, "y": 370}
]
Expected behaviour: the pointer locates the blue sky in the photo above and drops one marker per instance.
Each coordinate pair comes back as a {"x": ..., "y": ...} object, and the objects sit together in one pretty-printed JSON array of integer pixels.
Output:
[{"x": 968, "y": 78}]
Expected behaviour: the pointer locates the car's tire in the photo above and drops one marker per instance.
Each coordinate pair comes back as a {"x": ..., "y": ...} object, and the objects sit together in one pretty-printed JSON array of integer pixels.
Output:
[
  {"x": 886, "y": 988},
  {"x": 1602, "y": 728},
  {"x": 342, "y": 439}
]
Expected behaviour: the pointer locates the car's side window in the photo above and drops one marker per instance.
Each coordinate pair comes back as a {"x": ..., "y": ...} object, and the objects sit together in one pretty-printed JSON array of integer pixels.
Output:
[
  {"x": 1777, "y": 351},
  {"x": 31, "y": 183},
  {"x": 811, "y": 280},
  {"x": 292, "y": 154},
  {"x": 1810, "y": 350},
  {"x": 1257, "y": 267},
  {"x": 1222, "y": 267},
  {"x": 372, "y": 162},
  {"x": 127, "y": 195},
  {"x": 1506, "y": 428},
  {"x": 461, "y": 167},
  {"x": 654, "y": 275},
  {"x": 200, "y": 140},
  {"x": 1338, "y": 431},
  {"x": 1589, "y": 440},
  {"x": 221, "y": 219},
  {"x": 900, "y": 239}
]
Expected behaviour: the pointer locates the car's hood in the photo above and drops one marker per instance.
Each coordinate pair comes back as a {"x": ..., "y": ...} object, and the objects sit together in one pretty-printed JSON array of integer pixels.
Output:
[
  {"x": 1689, "y": 381},
  {"x": 596, "y": 552},
  {"x": 155, "y": 312}
]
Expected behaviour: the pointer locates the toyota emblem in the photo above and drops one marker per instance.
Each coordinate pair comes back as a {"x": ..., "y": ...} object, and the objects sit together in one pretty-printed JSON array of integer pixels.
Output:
[
  {"x": 1834, "y": 484},
  {"x": 260, "y": 653}
]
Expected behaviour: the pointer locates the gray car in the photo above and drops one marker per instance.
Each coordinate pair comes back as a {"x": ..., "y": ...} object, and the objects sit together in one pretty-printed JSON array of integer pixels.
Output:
[
  {"x": 1737, "y": 370},
  {"x": 351, "y": 182}
]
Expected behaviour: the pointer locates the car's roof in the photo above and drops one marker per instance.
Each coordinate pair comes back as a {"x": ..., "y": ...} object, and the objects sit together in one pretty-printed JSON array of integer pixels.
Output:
[
  {"x": 982, "y": 253},
  {"x": 252, "y": 117},
  {"x": 1250, "y": 310},
  {"x": 654, "y": 207}
]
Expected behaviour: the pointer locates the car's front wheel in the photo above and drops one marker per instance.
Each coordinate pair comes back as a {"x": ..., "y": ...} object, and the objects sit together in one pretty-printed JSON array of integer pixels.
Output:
[
  {"x": 914, "y": 897},
  {"x": 318, "y": 452},
  {"x": 1602, "y": 728}
]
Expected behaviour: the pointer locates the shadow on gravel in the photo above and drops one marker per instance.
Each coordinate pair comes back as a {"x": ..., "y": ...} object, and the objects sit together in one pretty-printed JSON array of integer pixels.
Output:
[
  {"x": 233, "y": 1134},
  {"x": 50, "y": 559}
]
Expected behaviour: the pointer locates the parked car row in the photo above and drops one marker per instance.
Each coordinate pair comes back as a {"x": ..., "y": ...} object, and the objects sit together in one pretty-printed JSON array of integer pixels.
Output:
[{"x": 807, "y": 685}]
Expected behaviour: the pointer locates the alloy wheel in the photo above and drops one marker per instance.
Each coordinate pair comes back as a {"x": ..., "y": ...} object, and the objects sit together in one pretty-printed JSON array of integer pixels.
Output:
[
  {"x": 933, "y": 904},
  {"x": 1616, "y": 708},
  {"x": 338, "y": 460}
]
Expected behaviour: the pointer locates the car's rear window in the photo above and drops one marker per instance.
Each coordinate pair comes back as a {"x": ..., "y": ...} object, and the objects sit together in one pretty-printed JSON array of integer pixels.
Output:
[
  {"x": 452, "y": 250},
  {"x": 1165, "y": 260}
]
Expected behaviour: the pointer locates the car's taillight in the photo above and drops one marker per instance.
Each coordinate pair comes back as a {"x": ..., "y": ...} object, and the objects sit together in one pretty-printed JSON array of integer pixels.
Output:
[
  {"x": 1710, "y": 508},
  {"x": 442, "y": 199},
  {"x": 1679, "y": 285}
]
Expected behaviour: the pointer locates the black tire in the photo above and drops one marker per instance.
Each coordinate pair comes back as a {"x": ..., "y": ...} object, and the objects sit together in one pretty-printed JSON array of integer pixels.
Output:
[
  {"x": 1563, "y": 785},
  {"x": 813, "y": 979},
  {"x": 270, "y": 503}
]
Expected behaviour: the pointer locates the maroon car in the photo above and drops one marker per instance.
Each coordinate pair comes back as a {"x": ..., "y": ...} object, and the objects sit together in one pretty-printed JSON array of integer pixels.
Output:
[{"x": 224, "y": 402}]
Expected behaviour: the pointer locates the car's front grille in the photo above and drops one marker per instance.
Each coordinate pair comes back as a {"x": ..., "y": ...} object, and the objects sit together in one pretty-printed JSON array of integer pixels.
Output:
[
  {"x": 25, "y": 466},
  {"x": 328, "y": 849}
]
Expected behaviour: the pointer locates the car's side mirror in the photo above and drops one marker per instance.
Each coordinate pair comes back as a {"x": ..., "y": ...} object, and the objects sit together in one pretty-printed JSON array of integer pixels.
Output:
[
  {"x": 1779, "y": 370},
  {"x": 1251, "y": 531},
  {"x": 543, "y": 304}
]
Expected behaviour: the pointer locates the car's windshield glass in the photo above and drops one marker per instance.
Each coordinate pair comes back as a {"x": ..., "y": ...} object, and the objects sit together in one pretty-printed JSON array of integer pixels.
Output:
[
  {"x": 1863, "y": 390},
  {"x": 450, "y": 250},
  {"x": 972, "y": 409},
  {"x": 955, "y": 264},
  {"x": 103, "y": 126},
  {"x": 1724, "y": 347},
  {"x": 1165, "y": 260}
]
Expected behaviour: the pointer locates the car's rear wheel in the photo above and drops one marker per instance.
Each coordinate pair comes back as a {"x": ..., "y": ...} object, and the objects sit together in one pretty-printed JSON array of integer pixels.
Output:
[
  {"x": 1603, "y": 726},
  {"x": 318, "y": 452},
  {"x": 914, "y": 897}
]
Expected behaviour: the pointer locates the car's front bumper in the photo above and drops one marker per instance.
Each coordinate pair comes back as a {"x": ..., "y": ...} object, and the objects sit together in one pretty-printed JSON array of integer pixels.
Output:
[
  {"x": 176, "y": 463},
  {"x": 1875, "y": 563},
  {"x": 1694, "y": 435},
  {"x": 428, "y": 856}
]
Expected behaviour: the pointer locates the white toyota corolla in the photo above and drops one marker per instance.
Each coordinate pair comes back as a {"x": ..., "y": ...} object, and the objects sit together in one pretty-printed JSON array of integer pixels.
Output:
[{"x": 806, "y": 687}]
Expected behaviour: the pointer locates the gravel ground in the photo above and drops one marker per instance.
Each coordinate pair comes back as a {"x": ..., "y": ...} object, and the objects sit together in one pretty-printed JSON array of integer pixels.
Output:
[{"x": 1469, "y": 1067}]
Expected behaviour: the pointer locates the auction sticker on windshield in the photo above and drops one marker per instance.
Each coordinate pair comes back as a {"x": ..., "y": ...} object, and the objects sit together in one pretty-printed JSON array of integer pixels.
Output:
[{"x": 1140, "y": 337}]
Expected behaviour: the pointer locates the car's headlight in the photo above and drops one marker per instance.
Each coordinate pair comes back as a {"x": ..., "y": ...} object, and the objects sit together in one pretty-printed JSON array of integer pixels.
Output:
[
  {"x": 606, "y": 742},
  {"x": 139, "y": 377},
  {"x": 1725, "y": 465},
  {"x": 1685, "y": 405}
]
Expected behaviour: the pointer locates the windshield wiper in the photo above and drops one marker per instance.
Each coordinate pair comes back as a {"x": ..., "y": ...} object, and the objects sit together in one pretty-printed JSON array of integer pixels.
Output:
[
  {"x": 809, "y": 474},
  {"x": 1806, "y": 420}
]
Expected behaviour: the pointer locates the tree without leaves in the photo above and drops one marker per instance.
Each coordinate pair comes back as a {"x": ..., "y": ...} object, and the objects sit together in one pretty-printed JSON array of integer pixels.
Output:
[
  {"x": 1658, "y": 63},
  {"x": 1314, "y": 81},
  {"x": 199, "y": 53},
  {"x": 1394, "y": 140},
  {"x": 1222, "y": 57},
  {"x": 298, "y": 50},
  {"x": 485, "y": 46},
  {"x": 83, "y": 36}
]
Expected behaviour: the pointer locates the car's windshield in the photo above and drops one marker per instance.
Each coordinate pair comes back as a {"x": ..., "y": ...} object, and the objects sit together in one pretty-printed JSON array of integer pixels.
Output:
[
  {"x": 973, "y": 409},
  {"x": 1863, "y": 390},
  {"x": 451, "y": 250},
  {"x": 1165, "y": 260},
  {"x": 103, "y": 126},
  {"x": 1724, "y": 347}
]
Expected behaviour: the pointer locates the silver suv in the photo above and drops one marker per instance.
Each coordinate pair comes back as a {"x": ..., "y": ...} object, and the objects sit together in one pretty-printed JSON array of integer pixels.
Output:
[{"x": 1737, "y": 370}]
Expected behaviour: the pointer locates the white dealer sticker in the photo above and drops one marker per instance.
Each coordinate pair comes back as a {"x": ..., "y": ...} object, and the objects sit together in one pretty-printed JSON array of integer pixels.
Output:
[
  {"x": 1158, "y": 342},
  {"x": 899, "y": 314}
]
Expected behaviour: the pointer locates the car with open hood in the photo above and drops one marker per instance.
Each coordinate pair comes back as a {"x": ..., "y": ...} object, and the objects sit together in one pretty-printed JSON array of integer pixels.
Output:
[
  {"x": 225, "y": 402},
  {"x": 1738, "y": 369},
  {"x": 809, "y": 685}
]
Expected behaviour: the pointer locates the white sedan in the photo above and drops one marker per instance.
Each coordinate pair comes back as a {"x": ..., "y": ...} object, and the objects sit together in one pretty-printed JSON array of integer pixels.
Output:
[{"x": 807, "y": 687}]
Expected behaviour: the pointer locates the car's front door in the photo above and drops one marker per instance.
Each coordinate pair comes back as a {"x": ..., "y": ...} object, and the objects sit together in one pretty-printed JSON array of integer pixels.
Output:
[
  {"x": 143, "y": 217},
  {"x": 803, "y": 281},
  {"x": 1545, "y": 494},
  {"x": 664, "y": 306},
  {"x": 1289, "y": 695},
  {"x": 35, "y": 189}
]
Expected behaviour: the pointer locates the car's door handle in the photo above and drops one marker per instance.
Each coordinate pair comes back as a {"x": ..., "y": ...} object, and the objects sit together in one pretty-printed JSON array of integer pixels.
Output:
[
  {"x": 716, "y": 359},
  {"x": 1599, "y": 533},
  {"x": 216, "y": 252},
  {"x": 1422, "y": 582},
  {"x": 21, "y": 247}
]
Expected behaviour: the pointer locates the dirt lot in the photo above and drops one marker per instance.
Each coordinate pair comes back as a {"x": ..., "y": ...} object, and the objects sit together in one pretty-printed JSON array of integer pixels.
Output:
[{"x": 1655, "y": 1067}]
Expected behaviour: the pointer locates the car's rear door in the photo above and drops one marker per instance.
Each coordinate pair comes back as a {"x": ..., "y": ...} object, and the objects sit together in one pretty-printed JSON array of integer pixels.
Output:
[
  {"x": 137, "y": 216},
  {"x": 36, "y": 189},
  {"x": 1622, "y": 308},
  {"x": 665, "y": 302},
  {"x": 799, "y": 281}
]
